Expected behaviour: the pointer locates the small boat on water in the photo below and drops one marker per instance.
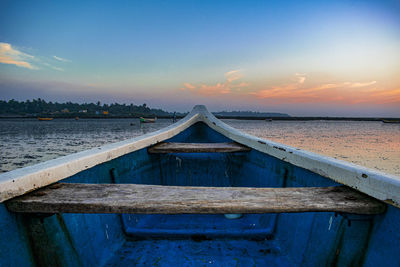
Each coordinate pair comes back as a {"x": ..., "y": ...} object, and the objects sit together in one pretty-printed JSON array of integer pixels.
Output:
[
  {"x": 147, "y": 120},
  {"x": 391, "y": 121},
  {"x": 198, "y": 193},
  {"x": 44, "y": 119}
]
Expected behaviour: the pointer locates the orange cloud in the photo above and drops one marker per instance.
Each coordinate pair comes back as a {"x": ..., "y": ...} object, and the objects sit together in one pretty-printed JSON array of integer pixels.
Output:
[
  {"x": 341, "y": 92},
  {"x": 189, "y": 86},
  {"x": 386, "y": 96},
  {"x": 300, "y": 90},
  {"x": 9, "y": 55},
  {"x": 231, "y": 85},
  {"x": 219, "y": 88},
  {"x": 355, "y": 85}
]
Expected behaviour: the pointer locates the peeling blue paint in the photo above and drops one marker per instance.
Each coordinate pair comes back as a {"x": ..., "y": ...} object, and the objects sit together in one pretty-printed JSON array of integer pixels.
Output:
[{"x": 298, "y": 239}]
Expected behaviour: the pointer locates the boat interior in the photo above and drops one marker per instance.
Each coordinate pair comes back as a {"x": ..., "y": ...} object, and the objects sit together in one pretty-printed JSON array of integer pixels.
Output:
[{"x": 246, "y": 239}]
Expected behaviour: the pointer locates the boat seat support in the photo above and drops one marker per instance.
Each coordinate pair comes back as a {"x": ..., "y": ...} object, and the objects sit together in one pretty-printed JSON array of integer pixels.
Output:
[{"x": 165, "y": 147}]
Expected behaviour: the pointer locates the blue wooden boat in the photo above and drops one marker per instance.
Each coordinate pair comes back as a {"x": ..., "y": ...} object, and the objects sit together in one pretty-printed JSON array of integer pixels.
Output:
[{"x": 198, "y": 193}]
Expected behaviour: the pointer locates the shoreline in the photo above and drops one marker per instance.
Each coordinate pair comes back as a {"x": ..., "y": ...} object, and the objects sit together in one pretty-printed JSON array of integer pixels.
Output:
[{"x": 221, "y": 117}]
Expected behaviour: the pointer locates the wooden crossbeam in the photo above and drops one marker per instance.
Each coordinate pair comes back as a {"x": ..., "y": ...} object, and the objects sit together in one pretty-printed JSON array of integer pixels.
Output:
[
  {"x": 155, "y": 199},
  {"x": 197, "y": 147}
]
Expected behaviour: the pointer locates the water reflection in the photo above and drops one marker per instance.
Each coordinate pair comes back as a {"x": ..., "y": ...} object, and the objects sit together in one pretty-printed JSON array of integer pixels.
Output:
[
  {"x": 26, "y": 142},
  {"x": 371, "y": 144}
]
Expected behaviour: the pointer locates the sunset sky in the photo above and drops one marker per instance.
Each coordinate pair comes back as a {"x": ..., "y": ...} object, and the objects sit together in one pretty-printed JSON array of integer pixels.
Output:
[{"x": 305, "y": 58}]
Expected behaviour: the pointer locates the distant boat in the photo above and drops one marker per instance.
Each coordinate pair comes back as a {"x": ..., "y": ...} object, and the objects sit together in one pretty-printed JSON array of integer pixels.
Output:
[
  {"x": 391, "y": 121},
  {"x": 147, "y": 120},
  {"x": 44, "y": 119},
  {"x": 268, "y": 119}
]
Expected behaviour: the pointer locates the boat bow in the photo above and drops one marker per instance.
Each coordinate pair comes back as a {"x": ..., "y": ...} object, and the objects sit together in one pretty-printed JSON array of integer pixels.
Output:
[{"x": 379, "y": 185}]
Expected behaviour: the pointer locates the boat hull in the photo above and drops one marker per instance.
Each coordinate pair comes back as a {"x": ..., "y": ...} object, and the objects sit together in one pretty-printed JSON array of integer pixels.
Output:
[{"x": 271, "y": 239}]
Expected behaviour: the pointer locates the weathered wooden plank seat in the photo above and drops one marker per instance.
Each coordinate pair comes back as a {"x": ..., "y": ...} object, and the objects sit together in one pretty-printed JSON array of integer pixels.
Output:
[
  {"x": 165, "y": 147},
  {"x": 147, "y": 199}
]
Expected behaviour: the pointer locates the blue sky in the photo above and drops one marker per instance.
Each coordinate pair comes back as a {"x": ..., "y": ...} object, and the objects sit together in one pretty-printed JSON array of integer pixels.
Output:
[{"x": 301, "y": 57}]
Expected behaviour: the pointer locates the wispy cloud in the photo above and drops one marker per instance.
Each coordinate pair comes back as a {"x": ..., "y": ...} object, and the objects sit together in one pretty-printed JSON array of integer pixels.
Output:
[
  {"x": 338, "y": 92},
  {"x": 301, "y": 78},
  {"x": 61, "y": 59},
  {"x": 233, "y": 75},
  {"x": 12, "y": 56},
  {"x": 52, "y": 67},
  {"x": 57, "y": 68},
  {"x": 189, "y": 86},
  {"x": 301, "y": 88},
  {"x": 356, "y": 85},
  {"x": 230, "y": 85}
]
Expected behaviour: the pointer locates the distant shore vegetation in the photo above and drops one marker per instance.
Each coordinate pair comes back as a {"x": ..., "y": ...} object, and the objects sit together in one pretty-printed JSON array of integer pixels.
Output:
[{"x": 41, "y": 108}]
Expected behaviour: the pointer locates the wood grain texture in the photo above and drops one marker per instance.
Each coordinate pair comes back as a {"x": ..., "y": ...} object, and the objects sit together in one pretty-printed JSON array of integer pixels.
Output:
[
  {"x": 155, "y": 199},
  {"x": 197, "y": 147}
]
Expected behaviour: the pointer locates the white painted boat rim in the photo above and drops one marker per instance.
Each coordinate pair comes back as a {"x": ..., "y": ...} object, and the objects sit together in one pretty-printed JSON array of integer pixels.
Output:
[{"x": 377, "y": 184}]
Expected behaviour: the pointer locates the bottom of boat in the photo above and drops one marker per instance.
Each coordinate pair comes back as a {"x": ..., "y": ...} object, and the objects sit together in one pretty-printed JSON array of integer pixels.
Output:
[{"x": 199, "y": 251}]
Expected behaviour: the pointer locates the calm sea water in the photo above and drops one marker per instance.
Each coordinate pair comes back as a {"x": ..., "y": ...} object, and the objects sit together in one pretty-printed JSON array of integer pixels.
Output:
[{"x": 25, "y": 142}]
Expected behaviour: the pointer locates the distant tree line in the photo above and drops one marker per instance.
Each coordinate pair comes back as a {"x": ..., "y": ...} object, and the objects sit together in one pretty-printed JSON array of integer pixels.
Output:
[{"x": 39, "y": 107}]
